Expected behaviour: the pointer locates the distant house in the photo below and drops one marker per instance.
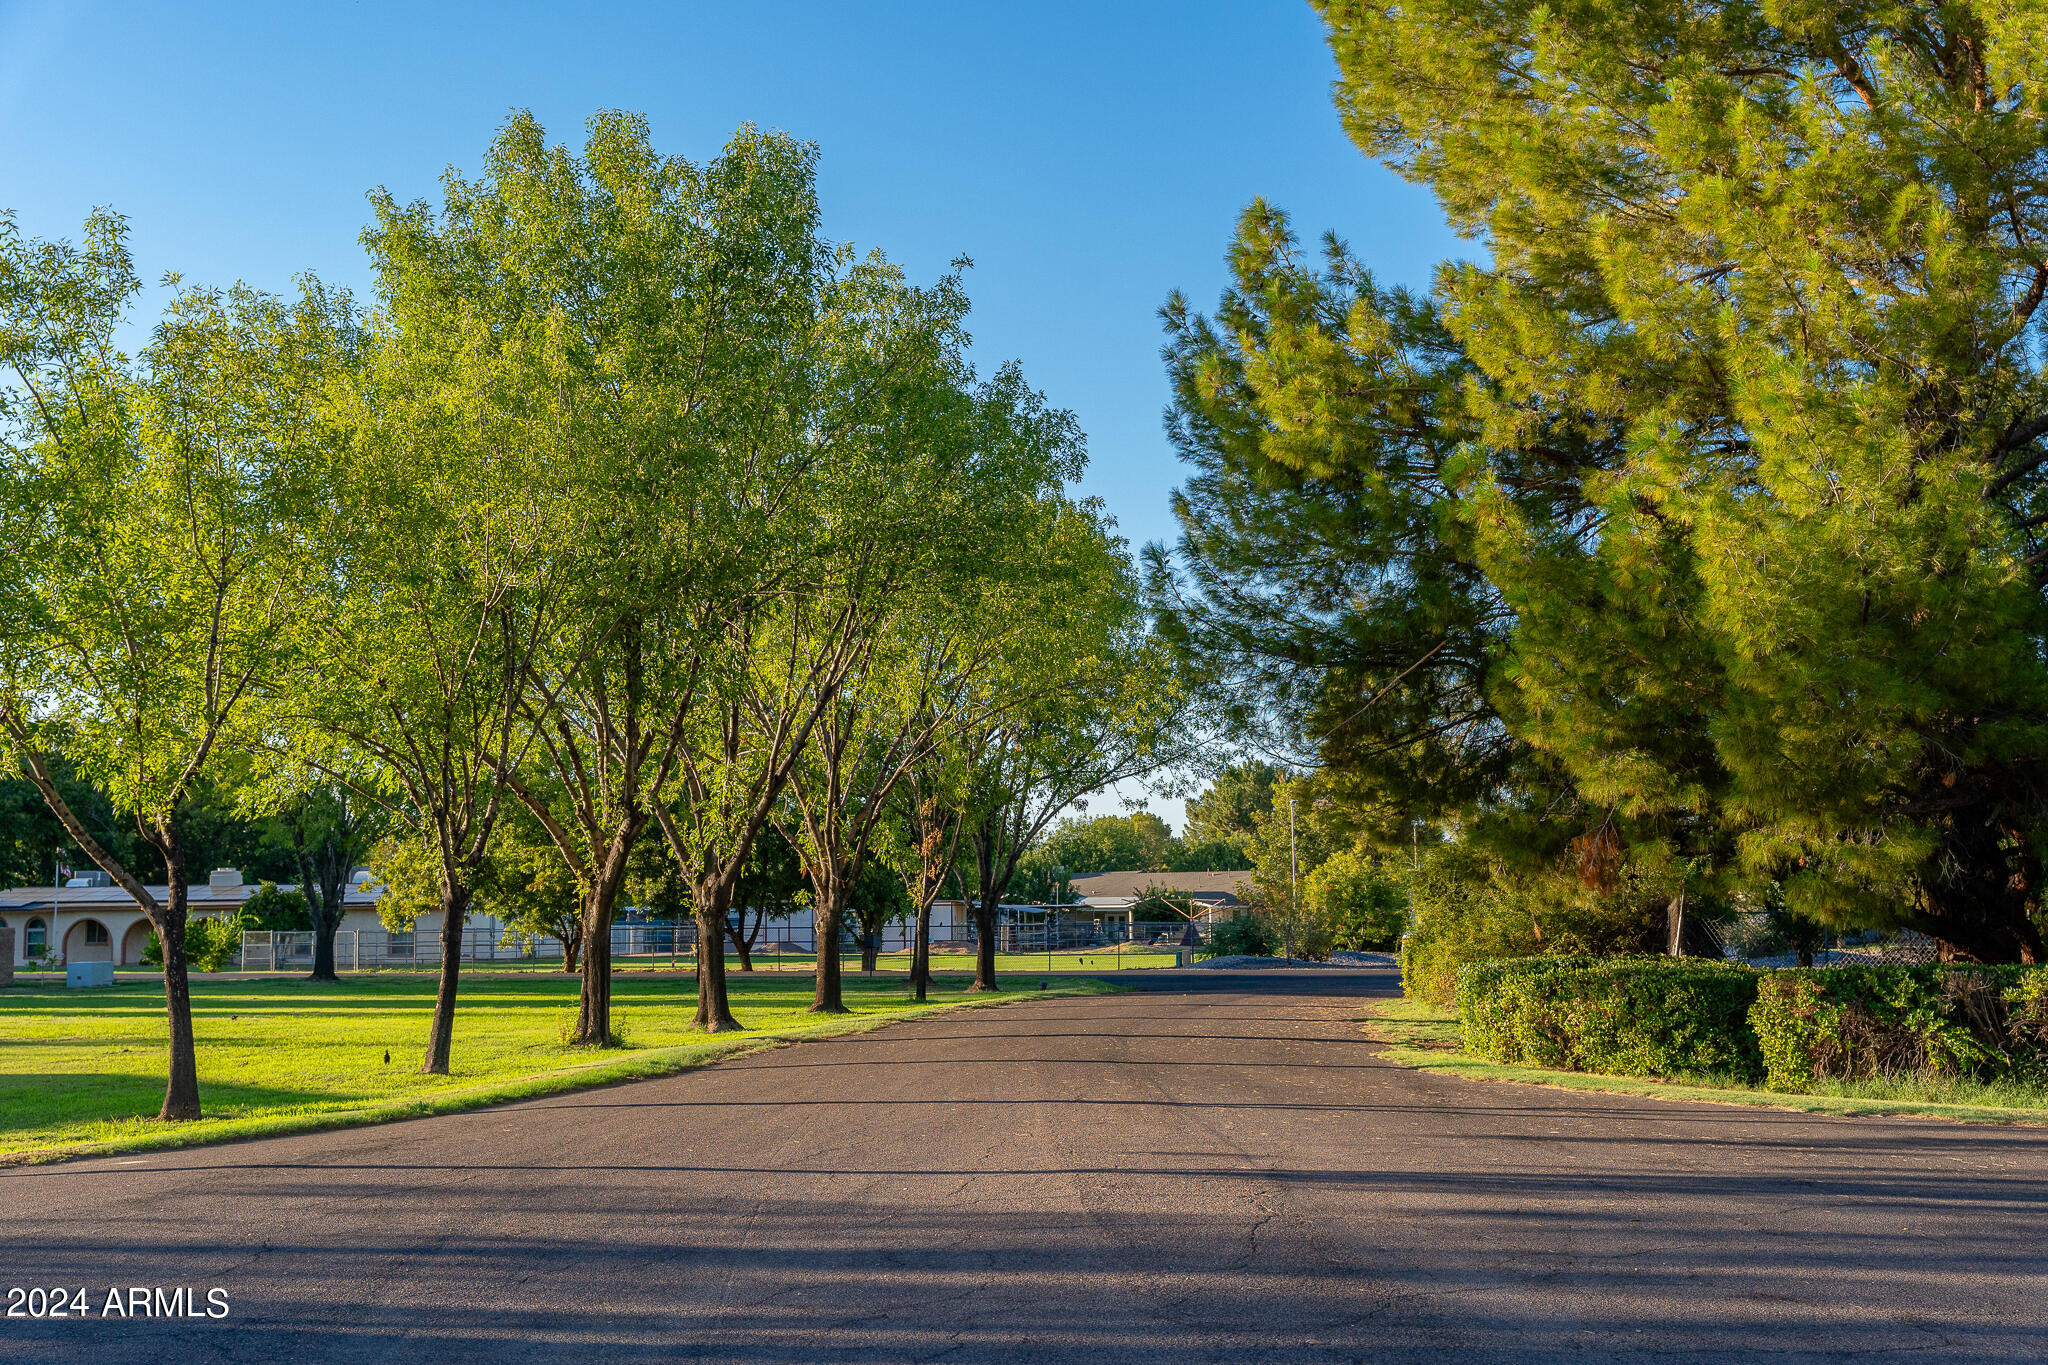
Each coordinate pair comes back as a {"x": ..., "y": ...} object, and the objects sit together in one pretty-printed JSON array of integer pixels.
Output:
[
  {"x": 92, "y": 920},
  {"x": 1215, "y": 894},
  {"x": 89, "y": 919}
]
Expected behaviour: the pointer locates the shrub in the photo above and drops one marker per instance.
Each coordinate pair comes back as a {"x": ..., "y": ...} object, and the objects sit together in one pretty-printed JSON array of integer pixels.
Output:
[
  {"x": 1356, "y": 901},
  {"x": 212, "y": 942},
  {"x": 1858, "y": 1023},
  {"x": 1470, "y": 907},
  {"x": 1242, "y": 934},
  {"x": 273, "y": 907},
  {"x": 1624, "y": 1016}
]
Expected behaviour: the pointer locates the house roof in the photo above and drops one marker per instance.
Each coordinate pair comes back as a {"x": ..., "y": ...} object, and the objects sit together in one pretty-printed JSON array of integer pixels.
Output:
[
  {"x": 1200, "y": 885},
  {"x": 201, "y": 896}
]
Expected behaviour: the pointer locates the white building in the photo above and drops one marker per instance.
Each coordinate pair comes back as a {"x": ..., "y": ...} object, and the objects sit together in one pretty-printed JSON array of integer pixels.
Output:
[{"x": 91, "y": 920}]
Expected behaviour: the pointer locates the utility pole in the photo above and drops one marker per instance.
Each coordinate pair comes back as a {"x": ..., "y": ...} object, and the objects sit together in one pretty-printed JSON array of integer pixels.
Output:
[
  {"x": 1052, "y": 915},
  {"x": 59, "y": 869},
  {"x": 1293, "y": 880}
]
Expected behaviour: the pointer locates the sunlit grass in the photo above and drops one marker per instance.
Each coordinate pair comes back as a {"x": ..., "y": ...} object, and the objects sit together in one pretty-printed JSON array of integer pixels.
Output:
[{"x": 87, "y": 1067}]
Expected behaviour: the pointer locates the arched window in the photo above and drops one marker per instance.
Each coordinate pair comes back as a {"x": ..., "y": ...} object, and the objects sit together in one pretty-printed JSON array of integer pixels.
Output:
[
  {"x": 35, "y": 939},
  {"x": 95, "y": 932}
]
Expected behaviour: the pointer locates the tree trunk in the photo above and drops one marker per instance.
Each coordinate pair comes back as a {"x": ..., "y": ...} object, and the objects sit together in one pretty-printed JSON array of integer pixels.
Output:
[
  {"x": 323, "y": 948},
  {"x": 324, "y": 901},
  {"x": 181, "y": 1090},
  {"x": 572, "y": 950},
  {"x": 594, "y": 1009},
  {"x": 985, "y": 943},
  {"x": 870, "y": 950},
  {"x": 454, "y": 914},
  {"x": 1975, "y": 901},
  {"x": 1993, "y": 927},
  {"x": 921, "y": 952},
  {"x": 828, "y": 999},
  {"x": 743, "y": 943},
  {"x": 594, "y": 1012},
  {"x": 714, "y": 1008}
]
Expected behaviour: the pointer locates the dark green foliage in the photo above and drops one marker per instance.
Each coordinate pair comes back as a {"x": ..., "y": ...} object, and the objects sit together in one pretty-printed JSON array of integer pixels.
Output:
[
  {"x": 1228, "y": 811},
  {"x": 213, "y": 943},
  {"x": 274, "y": 908},
  {"x": 1675, "y": 1017},
  {"x": 1622, "y": 1016},
  {"x": 214, "y": 834},
  {"x": 1357, "y": 900},
  {"x": 1313, "y": 581},
  {"x": 1471, "y": 907},
  {"x": 1854, "y": 1023},
  {"x": 30, "y": 837},
  {"x": 878, "y": 899},
  {"x": 1696, "y": 528},
  {"x": 1245, "y": 935}
]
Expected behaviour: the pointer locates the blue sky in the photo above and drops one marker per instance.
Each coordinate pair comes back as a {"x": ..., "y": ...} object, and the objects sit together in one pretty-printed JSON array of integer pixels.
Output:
[{"x": 1089, "y": 157}]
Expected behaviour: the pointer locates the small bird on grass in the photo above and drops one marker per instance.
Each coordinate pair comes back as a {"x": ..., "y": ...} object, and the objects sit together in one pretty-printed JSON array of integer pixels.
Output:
[{"x": 387, "y": 1056}]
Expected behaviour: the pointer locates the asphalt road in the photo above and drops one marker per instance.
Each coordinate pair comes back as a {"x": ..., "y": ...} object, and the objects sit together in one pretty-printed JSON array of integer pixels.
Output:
[{"x": 1214, "y": 1170}]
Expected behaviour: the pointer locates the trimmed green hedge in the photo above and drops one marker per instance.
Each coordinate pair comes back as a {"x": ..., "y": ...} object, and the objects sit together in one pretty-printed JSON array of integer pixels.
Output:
[
  {"x": 1626, "y": 1016},
  {"x": 1661, "y": 1016},
  {"x": 1429, "y": 968},
  {"x": 1852, "y": 1023}
]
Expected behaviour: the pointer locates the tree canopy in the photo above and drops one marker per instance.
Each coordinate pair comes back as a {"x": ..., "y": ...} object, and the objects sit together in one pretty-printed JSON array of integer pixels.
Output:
[
  {"x": 629, "y": 519},
  {"x": 1691, "y": 537}
]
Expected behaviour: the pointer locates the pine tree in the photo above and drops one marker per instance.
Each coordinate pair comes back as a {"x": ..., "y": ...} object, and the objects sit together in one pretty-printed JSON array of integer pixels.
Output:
[{"x": 1732, "y": 443}]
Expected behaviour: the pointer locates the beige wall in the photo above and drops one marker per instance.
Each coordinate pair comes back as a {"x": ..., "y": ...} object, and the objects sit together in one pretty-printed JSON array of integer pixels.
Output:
[{"x": 77, "y": 949}]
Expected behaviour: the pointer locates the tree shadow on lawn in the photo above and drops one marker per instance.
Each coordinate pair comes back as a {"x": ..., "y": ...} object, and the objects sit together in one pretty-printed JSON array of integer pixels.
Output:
[{"x": 57, "y": 1099}]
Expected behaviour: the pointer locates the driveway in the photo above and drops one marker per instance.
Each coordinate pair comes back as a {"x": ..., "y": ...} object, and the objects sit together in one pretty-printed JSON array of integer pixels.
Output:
[{"x": 1215, "y": 1168}]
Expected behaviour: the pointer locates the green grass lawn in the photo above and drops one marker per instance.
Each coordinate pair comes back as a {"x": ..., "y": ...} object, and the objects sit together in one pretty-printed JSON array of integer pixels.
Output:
[
  {"x": 84, "y": 1070},
  {"x": 1421, "y": 1035},
  {"x": 1065, "y": 960}
]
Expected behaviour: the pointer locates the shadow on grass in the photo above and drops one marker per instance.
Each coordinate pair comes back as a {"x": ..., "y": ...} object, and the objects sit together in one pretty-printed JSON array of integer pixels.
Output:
[{"x": 48, "y": 1100}]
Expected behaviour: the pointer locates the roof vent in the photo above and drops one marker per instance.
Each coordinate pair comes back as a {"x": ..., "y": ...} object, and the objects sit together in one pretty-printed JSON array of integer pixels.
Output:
[{"x": 224, "y": 879}]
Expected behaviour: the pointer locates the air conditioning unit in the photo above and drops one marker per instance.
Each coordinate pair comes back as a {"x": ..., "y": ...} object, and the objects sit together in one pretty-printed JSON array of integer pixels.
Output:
[{"x": 225, "y": 879}]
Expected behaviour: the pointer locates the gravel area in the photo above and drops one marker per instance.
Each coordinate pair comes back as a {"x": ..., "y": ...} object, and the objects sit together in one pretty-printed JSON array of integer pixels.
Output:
[{"x": 1345, "y": 958}]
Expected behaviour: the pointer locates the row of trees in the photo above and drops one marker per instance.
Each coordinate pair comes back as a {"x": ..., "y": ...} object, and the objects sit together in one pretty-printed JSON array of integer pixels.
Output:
[
  {"x": 1686, "y": 549},
  {"x": 632, "y": 510}
]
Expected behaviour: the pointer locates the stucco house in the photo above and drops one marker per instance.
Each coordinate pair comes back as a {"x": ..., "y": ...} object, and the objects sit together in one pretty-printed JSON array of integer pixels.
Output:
[{"x": 89, "y": 919}]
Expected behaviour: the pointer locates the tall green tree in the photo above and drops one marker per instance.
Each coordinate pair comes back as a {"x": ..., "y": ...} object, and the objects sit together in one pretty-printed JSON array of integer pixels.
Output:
[
  {"x": 1792, "y": 283},
  {"x": 326, "y": 830},
  {"x": 921, "y": 840},
  {"x": 163, "y": 502},
  {"x": 676, "y": 311},
  {"x": 1718, "y": 543},
  {"x": 767, "y": 888},
  {"x": 1322, "y": 586},
  {"x": 1228, "y": 809},
  {"x": 953, "y": 499},
  {"x": 1098, "y": 700},
  {"x": 441, "y": 570}
]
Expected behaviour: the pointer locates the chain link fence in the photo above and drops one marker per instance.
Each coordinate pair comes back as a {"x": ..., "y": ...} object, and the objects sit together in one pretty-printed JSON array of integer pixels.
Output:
[
  {"x": 1088, "y": 939},
  {"x": 1762, "y": 939}
]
